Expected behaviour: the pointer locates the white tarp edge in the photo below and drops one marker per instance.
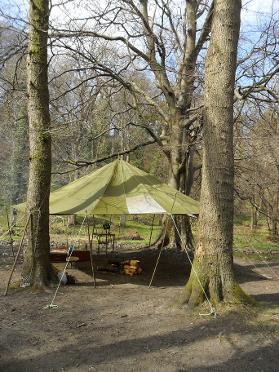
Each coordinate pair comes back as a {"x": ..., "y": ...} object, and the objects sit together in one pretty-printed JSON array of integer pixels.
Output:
[{"x": 144, "y": 203}]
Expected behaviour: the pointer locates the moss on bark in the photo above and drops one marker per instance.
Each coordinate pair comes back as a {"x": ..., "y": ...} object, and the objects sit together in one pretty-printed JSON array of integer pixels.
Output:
[
  {"x": 37, "y": 268},
  {"x": 212, "y": 271}
]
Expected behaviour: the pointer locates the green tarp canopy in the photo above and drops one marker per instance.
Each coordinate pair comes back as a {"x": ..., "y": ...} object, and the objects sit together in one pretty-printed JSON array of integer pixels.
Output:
[{"x": 119, "y": 188}]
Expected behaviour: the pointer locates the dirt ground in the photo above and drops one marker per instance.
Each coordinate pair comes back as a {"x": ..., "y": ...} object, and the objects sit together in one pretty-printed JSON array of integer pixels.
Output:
[{"x": 122, "y": 325}]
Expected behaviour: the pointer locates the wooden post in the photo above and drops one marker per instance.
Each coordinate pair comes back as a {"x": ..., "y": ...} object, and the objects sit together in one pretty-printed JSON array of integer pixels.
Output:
[
  {"x": 106, "y": 240},
  {"x": 150, "y": 237},
  {"x": 91, "y": 253},
  {"x": 17, "y": 255},
  {"x": 93, "y": 228}
]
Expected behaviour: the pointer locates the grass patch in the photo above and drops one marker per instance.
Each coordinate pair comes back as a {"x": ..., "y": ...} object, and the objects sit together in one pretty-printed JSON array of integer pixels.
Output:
[
  {"x": 59, "y": 230},
  {"x": 244, "y": 238}
]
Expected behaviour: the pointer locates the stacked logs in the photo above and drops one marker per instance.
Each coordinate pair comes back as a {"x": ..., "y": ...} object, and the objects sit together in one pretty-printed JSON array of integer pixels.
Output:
[{"x": 130, "y": 267}]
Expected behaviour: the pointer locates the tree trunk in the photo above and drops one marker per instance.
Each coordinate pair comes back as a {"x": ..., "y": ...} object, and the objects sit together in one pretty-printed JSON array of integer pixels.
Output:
[
  {"x": 72, "y": 220},
  {"x": 175, "y": 153},
  {"x": 176, "y": 177},
  {"x": 37, "y": 268},
  {"x": 274, "y": 227},
  {"x": 178, "y": 100},
  {"x": 254, "y": 218},
  {"x": 213, "y": 261},
  {"x": 122, "y": 223},
  {"x": 186, "y": 233},
  {"x": 169, "y": 235},
  {"x": 187, "y": 179},
  {"x": 274, "y": 216}
]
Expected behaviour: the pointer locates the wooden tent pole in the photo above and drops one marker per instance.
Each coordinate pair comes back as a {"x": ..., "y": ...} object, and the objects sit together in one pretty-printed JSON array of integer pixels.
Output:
[
  {"x": 91, "y": 253},
  {"x": 17, "y": 255},
  {"x": 93, "y": 227},
  {"x": 67, "y": 234},
  {"x": 10, "y": 233},
  {"x": 151, "y": 232}
]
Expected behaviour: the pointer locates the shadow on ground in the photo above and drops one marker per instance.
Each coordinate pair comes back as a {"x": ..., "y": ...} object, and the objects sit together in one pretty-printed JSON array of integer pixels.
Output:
[{"x": 256, "y": 353}]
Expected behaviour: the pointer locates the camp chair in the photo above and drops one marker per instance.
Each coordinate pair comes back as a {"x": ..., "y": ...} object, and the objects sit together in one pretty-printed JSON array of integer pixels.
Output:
[{"x": 105, "y": 238}]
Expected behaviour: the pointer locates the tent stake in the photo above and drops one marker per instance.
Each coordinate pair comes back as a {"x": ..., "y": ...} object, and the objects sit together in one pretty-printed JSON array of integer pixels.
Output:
[
  {"x": 17, "y": 255},
  {"x": 91, "y": 253}
]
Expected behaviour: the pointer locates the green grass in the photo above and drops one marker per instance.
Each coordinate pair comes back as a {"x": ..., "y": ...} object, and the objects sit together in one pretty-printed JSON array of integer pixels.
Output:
[
  {"x": 258, "y": 239},
  {"x": 17, "y": 231},
  {"x": 60, "y": 231},
  {"x": 243, "y": 237},
  {"x": 3, "y": 219}
]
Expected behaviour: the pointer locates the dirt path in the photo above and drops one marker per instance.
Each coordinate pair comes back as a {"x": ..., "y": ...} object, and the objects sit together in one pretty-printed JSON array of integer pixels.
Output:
[{"x": 122, "y": 325}]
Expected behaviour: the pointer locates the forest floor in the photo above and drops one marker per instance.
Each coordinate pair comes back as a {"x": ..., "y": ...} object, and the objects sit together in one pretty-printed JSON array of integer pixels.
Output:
[{"x": 122, "y": 325}]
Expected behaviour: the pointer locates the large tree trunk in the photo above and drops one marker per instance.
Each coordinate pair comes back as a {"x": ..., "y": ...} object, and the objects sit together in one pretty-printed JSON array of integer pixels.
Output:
[
  {"x": 213, "y": 261},
  {"x": 187, "y": 180},
  {"x": 37, "y": 269},
  {"x": 176, "y": 178},
  {"x": 178, "y": 99},
  {"x": 179, "y": 139},
  {"x": 171, "y": 235}
]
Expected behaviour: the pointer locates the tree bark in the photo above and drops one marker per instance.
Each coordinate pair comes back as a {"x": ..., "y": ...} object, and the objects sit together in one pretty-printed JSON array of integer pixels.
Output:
[
  {"x": 213, "y": 261},
  {"x": 274, "y": 215},
  {"x": 187, "y": 180},
  {"x": 254, "y": 218},
  {"x": 72, "y": 220},
  {"x": 178, "y": 98},
  {"x": 37, "y": 268}
]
